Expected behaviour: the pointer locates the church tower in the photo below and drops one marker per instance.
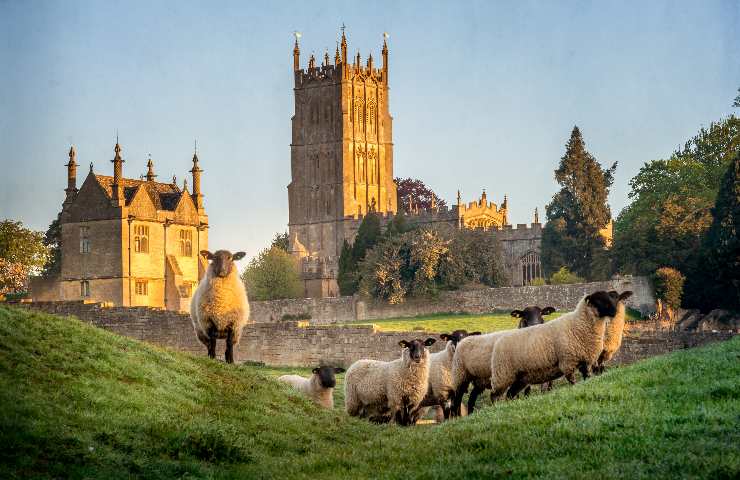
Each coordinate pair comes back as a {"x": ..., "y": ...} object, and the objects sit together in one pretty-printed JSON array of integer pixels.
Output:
[{"x": 341, "y": 156}]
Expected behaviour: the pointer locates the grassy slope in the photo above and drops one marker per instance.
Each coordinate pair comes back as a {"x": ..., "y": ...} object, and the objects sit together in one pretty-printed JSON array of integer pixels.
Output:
[
  {"x": 78, "y": 401},
  {"x": 448, "y": 322}
]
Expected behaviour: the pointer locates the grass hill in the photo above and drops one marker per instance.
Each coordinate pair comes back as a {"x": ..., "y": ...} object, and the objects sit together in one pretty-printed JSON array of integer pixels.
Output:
[{"x": 79, "y": 402}]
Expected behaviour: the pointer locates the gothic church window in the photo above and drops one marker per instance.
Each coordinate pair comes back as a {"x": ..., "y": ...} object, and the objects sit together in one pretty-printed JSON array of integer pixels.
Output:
[
  {"x": 186, "y": 243},
  {"x": 371, "y": 115},
  {"x": 84, "y": 239},
  {"x": 141, "y": 238},
  {"x": 531, "y": 267}
]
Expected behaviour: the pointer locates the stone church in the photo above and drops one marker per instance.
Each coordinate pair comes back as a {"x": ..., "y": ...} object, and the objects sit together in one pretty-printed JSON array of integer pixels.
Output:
[
  {"x": 342, "y": 167},
  {"x": 129, "y": 242}
]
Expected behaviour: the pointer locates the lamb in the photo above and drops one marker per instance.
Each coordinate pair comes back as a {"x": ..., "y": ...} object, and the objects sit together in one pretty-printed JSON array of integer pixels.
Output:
[
  {"x": 319, "y": 387},
  {"x": 533, "y": 316},
  {"x": 548, "y": 351},
  {"x": 472, "y": 364},
  {"x": 441, "y": 391},
  {"x": 614, "y": 330},
  {"x": 219, "y": 307},
  {"x": 389, "y": 390}
]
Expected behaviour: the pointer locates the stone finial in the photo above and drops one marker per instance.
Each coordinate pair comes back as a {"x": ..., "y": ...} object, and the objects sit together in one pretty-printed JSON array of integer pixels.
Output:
[
  {"x": 174, "y": 180},
  {"x": 357, "y": 59},
  {"x": 326, "y": 58},
  {"x": 296, "y": 52},
  {"x": 459, "y": 198},
  {"x": 185, "y": 184},
  {"x": 311, "y": 62},
  {"x": 91, "y": 167},
  {"x": 337, "y": 58},
  {"x": 118, "y": 199},
  {"x": 536, "y": 216},
  {"x": 150, "y": 176},
  {"x": 370, "y": 61},
  {"x": 344, "y": 46}
]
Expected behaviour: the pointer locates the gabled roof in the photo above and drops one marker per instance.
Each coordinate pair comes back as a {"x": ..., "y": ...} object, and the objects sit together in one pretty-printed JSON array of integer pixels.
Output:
[{"x": 165, "y": 196}]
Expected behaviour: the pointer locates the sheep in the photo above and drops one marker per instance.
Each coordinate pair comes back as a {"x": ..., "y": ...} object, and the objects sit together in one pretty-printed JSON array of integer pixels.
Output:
[
  {"x": 219, "y": 307},
  {"x": 614, "y": 330},
  {"x": 319, "y": 387},
  {"x": 441, "y": 391},
  {"x": 389, "y": 390},
  {"x": 472, "y": 364},
  {"x": 542, "y": 353},
  {"x": 528, "y": 317}
]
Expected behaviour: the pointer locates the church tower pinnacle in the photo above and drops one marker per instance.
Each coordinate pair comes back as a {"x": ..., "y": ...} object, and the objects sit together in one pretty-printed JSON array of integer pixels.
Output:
[
  {"x": 296, "y": 53},
  {"x": 71, "y": 189},
  {"x": 197, "y": 195}
]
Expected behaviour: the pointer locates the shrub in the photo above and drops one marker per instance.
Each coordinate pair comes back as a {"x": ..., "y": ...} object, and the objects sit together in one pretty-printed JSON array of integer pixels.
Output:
[
  {"x": 564, "y": 277},
  {"x": 668, "y": 283},
  {"x": 538, "y": 282},
  {"x": 272, "y": 275},
  {"x": 297, "y": 316}
]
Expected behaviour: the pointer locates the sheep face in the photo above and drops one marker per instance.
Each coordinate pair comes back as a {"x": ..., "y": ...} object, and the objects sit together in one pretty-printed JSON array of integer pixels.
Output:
[
  {"x": 222, "y": 262},
  {"x": 456, "y": 336},
  {"x": 603, "y": 303},
  {"x": 531, "y": 315},
  {"x": 326, "y": 375},
  {"x": 417, "y": 348}
]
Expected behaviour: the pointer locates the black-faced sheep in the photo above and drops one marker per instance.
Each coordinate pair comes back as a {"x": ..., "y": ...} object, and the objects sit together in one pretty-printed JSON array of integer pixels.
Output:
[
  {"x": 389, "y": 390},
  {"x": 614, "y": 331},
  {"x": 441, "y": 389},
  {"x": 219, "y": 307},
  {"x": 319, "y": 387},
  {"x": 472, "y": 364},
  {"x": 529, "y": 317},
  {"x": 545, "y": 352}
]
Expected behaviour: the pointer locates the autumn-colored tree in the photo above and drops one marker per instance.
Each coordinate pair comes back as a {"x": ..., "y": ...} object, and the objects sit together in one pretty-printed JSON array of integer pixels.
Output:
[{"x": 413, "y": 193}]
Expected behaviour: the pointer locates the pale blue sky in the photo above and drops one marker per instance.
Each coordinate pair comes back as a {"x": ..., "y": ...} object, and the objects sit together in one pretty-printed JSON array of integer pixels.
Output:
[{"x": 484, "y": 94}]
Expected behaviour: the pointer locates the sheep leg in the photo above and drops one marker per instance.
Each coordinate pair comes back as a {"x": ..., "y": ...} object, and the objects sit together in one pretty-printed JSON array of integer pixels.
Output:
[
  {"x": 515, "y": 388},
  {"x": 571, "y": 378},
  {"x": 473, "y": 397},
  {"x": 583, "y": 367},
  {"x": 527, "y": 390},
  {"x": 497, "y": 393},
  {"x": 212, "y": 334},
  {"x": 457, "y": 403},
  {"x": 202, "y": 337},
  {"x": 546, "y": 387},
  {"x": 229, "y": 345}
]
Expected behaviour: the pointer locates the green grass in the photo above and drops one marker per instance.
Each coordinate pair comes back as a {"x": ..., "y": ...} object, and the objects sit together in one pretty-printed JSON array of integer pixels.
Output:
[
  {"x": 79, "y": 402},
  {"x": 449, "y": 322}
]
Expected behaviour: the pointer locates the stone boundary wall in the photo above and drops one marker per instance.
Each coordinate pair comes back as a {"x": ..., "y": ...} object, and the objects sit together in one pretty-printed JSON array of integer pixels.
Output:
[
  {"x": 326, "y": 311},
  {"x": 301, "y": 344}
]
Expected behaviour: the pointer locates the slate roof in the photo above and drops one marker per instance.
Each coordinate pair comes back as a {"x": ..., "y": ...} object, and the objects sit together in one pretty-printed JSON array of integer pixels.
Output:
[{"x": 164, "y": 196}]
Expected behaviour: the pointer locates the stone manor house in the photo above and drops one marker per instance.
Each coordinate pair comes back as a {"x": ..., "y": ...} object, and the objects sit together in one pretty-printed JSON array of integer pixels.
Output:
[
  {"x": 129, "y": 242},
  {"x": 342, "y": 167}
]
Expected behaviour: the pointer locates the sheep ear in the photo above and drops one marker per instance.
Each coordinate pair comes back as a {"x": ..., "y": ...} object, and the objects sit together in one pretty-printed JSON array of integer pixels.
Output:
[
  {"x": 315, "y": 370},
  {"x": 614, "y": 294},
  {"x": 338, "y": 370},
  {"x": 548, "y": 310},
  {"x": 238, "y": 256},
  {"x": 444, "y": 336},
  {"x": 625, "y": 295},
  {"x": 473, "y": 333},
  {"x": 516, "y": 313},
  {"x": 208, "y": 255},
  {"x": 429, "y": 341},
  {"x": 403, "y": 343}
]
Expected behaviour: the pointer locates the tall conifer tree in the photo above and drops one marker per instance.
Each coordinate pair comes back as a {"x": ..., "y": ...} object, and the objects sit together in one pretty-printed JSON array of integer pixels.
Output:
[{"x": 577, "y": 212}]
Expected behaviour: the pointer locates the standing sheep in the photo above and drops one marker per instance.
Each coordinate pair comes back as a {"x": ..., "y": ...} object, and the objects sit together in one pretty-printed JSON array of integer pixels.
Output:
[
  {"x": 319, "y": 387},
  {"x": 394, "y": 390},
  {"x": 548, "y": 351},
  {"x": 531, "y": 316},
  {"x": 472, "y": 364},
  {"x": 614, "y": 331},
  {"x": 219, "y": 308},
  {"x": 441, "y": 391}
]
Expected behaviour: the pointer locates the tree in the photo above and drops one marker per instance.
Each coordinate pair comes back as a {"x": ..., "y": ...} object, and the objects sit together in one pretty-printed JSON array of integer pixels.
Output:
[
  {"x": 722, "y": 245},
  {"x": 671, "y": 210},
  {"x": 413, "y": 193},
  {"x": 22, "y": 245},
  {"x": 272, "y": 275},
  {"x": 53, "y": 242},
  {"x": 564, "y": 277},
  {"x": 668, "y": 283},
  {"x": 474, "y": 257},
  {"x": 577, "y": 213},
  {"x": 368, "y": 234},
  {"x": 736, "y": 103},
  {"x": 281, "y": 241}
]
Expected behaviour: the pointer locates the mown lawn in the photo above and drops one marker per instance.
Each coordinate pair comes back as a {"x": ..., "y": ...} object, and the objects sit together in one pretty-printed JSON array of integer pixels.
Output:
[
  {"x": 449, "y": 322},
  {"x": 79, "y": 402}
]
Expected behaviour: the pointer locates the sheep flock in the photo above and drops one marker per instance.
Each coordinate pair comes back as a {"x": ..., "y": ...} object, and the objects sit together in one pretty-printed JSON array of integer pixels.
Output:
[{"x": 401, "y": 391}]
